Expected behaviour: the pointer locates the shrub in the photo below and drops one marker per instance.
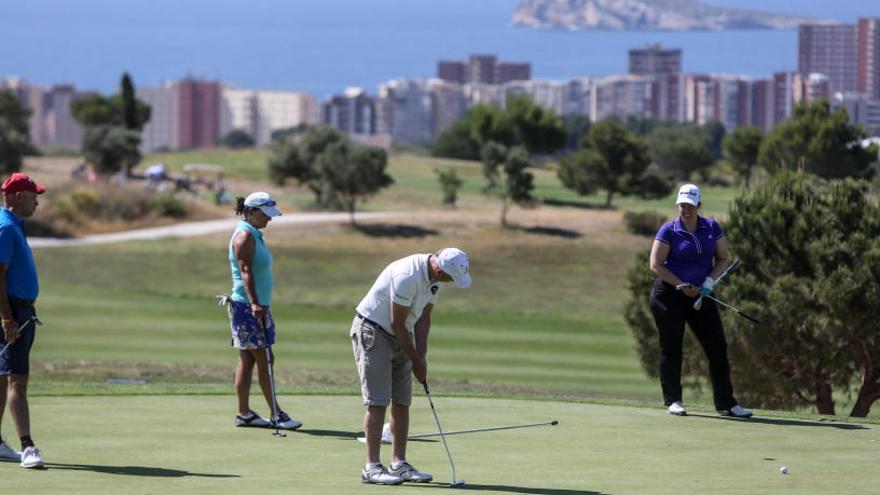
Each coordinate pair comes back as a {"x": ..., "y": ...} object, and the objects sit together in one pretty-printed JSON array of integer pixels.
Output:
[{"x": 645, "y": 223}]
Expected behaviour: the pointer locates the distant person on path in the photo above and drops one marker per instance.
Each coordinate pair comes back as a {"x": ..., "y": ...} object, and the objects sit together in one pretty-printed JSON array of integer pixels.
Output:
[
  {"x": 20, "y": 286},
  {"x": 253, "y": 329},
  {"x": 389, "y": 336},
  {"x": 688, "y": 254}
]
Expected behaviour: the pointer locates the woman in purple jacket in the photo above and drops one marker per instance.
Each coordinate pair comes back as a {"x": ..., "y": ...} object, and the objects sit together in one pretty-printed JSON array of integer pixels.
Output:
[{"x": 688, "y": 254}]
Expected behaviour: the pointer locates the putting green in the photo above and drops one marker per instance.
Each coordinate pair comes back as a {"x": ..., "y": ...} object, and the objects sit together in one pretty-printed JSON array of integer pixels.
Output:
[{"x": 187, "y": 444}]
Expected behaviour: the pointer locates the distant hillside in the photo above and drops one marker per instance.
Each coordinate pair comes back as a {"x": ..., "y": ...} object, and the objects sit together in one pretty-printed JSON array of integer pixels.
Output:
[{"x": 647, "y": 15}]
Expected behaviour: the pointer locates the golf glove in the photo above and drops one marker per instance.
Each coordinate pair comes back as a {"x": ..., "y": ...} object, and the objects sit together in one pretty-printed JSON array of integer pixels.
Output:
[{"x": 708, "y": 284}]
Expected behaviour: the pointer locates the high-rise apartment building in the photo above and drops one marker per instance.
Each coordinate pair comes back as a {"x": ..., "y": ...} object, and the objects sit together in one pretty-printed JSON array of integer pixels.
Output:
[
  {"x": 198, "y": 117},
  {"x": 483, "y": 69},
  {"x": 654, "y": 60},
  {"x": 159, "y": 131},
  {"x": 861, "y": 109},
  {"x": 454, "y": 71},
  {"x": 868, "y": 52},
  {"x": 621, "y": 96},
  {"x": 829, "y": 49},
  {"x": 353, "y": 112}
]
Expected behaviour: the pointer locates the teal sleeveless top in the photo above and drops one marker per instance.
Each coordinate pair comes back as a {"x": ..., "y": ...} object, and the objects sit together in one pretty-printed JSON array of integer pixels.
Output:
[{"x": 261, "y": 268}]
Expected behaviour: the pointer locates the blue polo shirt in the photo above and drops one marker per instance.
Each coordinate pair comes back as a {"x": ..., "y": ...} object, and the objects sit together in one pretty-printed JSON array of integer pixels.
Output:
[
  {"x": 15, "y": 253},
  {"x": 691, "y": 256}
]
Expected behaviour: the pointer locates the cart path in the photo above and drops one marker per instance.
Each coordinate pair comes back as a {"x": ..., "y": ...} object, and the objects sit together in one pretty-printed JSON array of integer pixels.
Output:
[{"x": 189, "y": 229}]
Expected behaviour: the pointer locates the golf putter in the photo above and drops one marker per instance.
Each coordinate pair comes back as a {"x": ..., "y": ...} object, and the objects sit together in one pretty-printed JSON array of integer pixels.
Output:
[{"x": 456, "y": 483}]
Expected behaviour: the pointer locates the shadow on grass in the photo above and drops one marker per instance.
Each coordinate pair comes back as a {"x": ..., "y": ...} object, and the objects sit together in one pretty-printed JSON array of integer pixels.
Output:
[
  {"x": 571, "y": 203},
  {"x": 510, "y": 489},
  {"x": 339, "y": 434},
  {"x": 551, "y": 231},
  {"x": 394, "y": 230},
  {"x": 785, "y": 422},
  {"x": 152, "y": 472}
]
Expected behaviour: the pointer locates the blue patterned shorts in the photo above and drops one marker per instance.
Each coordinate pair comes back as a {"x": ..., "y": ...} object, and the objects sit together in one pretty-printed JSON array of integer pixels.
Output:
[{"x": 246, "y": 332}]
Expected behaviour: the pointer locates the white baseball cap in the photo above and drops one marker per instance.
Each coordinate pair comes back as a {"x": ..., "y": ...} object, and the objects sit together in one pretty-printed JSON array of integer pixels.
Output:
[
  {"x": 689, "y": 194},
  {"x": 264, "y": 202},
  {"x": 455, "y": 263}
]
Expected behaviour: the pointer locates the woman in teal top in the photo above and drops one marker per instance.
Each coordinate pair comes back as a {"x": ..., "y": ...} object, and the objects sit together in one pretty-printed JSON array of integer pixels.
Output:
[{"x": 253, "y": 329}]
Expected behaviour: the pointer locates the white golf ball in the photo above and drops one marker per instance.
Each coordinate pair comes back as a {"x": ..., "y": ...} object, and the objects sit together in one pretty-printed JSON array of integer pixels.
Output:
[{"x": 783, "y": 470}]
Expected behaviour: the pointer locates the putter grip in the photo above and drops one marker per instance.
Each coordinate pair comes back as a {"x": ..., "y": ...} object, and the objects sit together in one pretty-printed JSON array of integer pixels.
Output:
[{"x": 426, "y": 387}]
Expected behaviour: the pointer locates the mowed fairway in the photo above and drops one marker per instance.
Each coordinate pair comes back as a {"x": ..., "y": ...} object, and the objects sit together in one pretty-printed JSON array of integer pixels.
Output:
[{"x": 176, "y": 444}]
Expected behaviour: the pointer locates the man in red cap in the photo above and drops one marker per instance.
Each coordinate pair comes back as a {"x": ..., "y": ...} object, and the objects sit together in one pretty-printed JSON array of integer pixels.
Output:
[{"x": 18, "y": 282}]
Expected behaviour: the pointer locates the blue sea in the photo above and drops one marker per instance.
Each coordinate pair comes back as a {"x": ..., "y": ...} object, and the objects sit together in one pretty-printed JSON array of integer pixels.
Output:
[{"x": 324, "y": 46}]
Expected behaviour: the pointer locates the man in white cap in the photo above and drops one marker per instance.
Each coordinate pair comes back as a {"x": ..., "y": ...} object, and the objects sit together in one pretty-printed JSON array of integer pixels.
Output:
[{"x": 389, "y": 337}]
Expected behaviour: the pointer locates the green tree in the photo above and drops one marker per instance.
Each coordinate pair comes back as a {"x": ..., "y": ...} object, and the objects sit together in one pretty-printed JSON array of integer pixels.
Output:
[
  {"x": 14, "y": 113},
  {"x": 715, "y": 133},
  {"x": 457, "y": 142},
  {"x": 237, "y": 139},
  {"x": 680, "y": 150},
  {"x": 110, "y": 148},
  {"x": 741, "y": 148},
  {"x": 492, "y": 155},
  {"x": 299, "y": 160},
  {"x": 96, "y": 113},
  {"x": 338, "y": 172},
  {"x": 577, "y": 127},
  {"x": 819, "y": 141},
  {"x": 513, "y": 183},
  {"x": 488, "y": 123},
  {"x": 613, "y": 160},
  {"x": 537, "y": 129},
  {"x": 13, "y": 145},
  {"x": 14, "y": 132},
  {"x": 352, "y": 173},
  {"x": 450, "y": 183},
  {"x": 521, "y": 123}
]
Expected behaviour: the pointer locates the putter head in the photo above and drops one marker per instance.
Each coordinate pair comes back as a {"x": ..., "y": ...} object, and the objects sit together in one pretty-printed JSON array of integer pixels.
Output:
[
  {"x": 554, "y": 422},
  {"x": 456, "y": 484},
  {"x": 279, "y": 434}
]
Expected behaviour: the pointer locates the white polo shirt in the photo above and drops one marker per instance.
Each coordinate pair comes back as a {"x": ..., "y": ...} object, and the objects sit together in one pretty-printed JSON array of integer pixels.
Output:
[{"x": 404, "y": 282}]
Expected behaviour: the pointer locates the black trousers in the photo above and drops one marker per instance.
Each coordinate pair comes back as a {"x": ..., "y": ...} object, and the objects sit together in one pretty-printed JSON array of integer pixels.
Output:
[{"x": 672, "y": 309}]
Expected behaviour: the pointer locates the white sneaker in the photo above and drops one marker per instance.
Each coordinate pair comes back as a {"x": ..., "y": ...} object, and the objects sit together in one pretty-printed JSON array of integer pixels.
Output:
[
  {"x": 31, "y": 458},
  {"x": 380, "y": 476},
  {"x": 677, "y": 409},
  {"x": 409, "y": 473},
  {"x": 252, "y": 419},
  {"x": 285, "y": 422},
  {"x": 737, "y": 411},
  {"x": 7, "y": 453}
]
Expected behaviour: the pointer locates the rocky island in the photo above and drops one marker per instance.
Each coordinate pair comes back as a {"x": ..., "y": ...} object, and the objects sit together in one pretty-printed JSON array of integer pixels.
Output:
[{"x": 648, "y": 15}]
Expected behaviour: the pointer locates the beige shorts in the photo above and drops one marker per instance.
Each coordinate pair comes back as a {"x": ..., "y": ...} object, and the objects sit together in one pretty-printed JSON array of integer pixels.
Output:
[{"x": 384, "y": 369}]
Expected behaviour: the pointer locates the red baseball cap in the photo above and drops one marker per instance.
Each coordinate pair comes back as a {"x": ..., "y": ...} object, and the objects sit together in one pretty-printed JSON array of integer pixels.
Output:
[{"x": 21, "y": 182}]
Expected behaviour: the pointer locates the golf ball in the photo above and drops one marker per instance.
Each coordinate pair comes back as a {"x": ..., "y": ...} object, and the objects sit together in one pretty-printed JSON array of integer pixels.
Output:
[{"x": 783, "y": 470}]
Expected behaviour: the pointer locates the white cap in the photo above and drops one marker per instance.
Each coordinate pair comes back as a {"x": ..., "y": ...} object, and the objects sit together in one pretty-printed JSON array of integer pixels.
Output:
[
  {"x": 264, "y": 202},
  {"x": 455, "y": 263},
  {"x": 689, "y": 194}
]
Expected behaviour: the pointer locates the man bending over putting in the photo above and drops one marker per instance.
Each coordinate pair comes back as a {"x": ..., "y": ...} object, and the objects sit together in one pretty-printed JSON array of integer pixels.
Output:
[{"x": 389, "y": 336}]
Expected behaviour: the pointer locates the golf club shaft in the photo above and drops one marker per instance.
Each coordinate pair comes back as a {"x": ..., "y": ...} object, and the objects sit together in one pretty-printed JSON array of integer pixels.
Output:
[
  {"x": 699, "y": 301},
  {"x": 478, "y": 430},
  {"x": 737, "y": 310},
  {"x": 440, "y": 429}
]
